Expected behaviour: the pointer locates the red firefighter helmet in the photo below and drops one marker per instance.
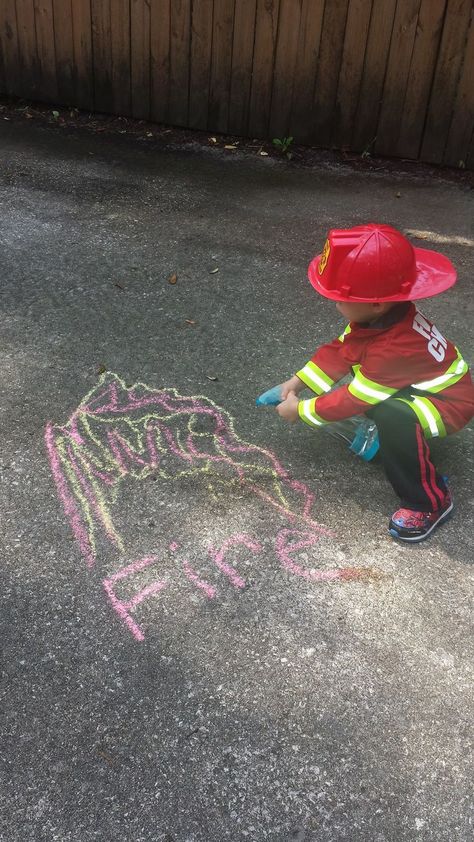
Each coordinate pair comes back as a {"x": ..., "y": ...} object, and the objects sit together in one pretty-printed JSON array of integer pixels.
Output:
[{"x": 376, "y": 263}]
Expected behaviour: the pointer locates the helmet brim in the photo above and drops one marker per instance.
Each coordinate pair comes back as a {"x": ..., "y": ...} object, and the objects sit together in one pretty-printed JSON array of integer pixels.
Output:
[{"x": 434, "y": 274}]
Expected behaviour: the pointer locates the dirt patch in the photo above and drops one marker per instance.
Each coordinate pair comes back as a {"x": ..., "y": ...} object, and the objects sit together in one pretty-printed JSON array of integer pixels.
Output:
[{"x": 156, "y": 134}]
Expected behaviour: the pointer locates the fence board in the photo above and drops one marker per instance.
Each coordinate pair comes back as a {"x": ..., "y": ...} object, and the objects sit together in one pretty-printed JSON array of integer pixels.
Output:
[
  {"x": 83, "y": 64},
  {"x": 420, "y": 77},
  {"x": 179, "y": 62},
  {"x": 200, "y": 70},
  {"x": 445, "y": 80},
  {"x": 221, "y": 64},
  {"x": 29, "y": 77},
  {"x": 120, "y": 54},
  {"x": 373, "y": 77},
  {"x": 2, "y": 62},
  {"x": 44, "y": 26},
  {"x": 462, "y": 123},
  {"x": 350, "y": 75},
  {"x": 160, "y": 21},
  {"x": 64, "y": 50},
  {"x": 332, "y": 42},
  {"x": 470, "y": 154},
  {"x": 401, "y": 49},
  {"x": 241, "y": 70},
  {"x": 307, "y": 53},
  {"x": 102, "y": 55},
  {"x": 284, "y": 68},
  {"x": 9, "y": 47},
  {"x": 266, "y": 27},
  {"x": 2, "y": 68},
  {"x": 140, "y": 58}
]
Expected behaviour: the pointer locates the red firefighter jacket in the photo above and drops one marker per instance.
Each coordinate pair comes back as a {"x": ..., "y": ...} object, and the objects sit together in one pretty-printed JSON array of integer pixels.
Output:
[{"x": 404, "y": 351}]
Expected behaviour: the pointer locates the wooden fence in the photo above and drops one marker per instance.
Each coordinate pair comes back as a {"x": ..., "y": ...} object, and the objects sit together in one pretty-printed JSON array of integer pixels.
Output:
[{"x": 391, "y": 77}]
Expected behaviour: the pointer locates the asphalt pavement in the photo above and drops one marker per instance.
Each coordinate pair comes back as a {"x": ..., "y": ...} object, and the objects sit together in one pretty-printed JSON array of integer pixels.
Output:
[{"x": 207, "y": 632}]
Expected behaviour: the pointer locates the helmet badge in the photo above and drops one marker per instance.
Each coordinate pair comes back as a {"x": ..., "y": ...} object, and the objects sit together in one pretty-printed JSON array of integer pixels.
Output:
[{"x": 324, "y": 257}]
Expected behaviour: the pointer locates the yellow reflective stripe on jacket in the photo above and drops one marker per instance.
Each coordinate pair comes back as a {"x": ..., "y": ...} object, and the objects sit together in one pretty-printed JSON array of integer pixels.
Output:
[
  {"x": 309, "y": 415},
  {"x": 315, "y": 378},
  {"x": 368, "y": 390},
  {"x": 428, "y": 416},
  {"x": 344, "y": 333},
  {"x": 456, "y": 370}
]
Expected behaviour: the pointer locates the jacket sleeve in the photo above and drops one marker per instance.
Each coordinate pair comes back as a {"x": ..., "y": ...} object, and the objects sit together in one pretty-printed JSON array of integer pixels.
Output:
[
  {"x": 325, "y": 367},
  {"x": 338, "y": 404},
  {"x": 369, "y": 386}
]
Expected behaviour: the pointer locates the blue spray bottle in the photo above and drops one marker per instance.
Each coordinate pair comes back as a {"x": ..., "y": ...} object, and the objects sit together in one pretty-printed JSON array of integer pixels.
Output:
[{"x": 359, "y": 432}]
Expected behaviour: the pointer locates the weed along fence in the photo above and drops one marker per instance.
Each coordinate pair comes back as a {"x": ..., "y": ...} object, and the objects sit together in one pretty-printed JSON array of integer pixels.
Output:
[{"x": 390, "y": 77}]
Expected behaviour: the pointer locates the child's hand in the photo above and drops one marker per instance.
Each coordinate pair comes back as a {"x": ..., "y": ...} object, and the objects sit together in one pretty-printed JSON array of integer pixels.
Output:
[
  {"x": 294, "y": 384},
  {"x": 288, "y": 409}
]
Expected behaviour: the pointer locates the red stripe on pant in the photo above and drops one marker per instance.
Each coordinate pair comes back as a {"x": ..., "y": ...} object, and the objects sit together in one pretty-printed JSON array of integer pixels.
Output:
[
  {"x": 427, "y": 472},
  {"x": 440, "y": 492}
]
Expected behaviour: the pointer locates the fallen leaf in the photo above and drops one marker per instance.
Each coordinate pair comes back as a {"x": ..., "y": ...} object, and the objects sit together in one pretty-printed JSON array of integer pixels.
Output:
[
  {"x": 102, "y": 369},
  {"x": 264, "y": 153},
  {"x": 106, "y": 757},
  {"x": 397, "y": 195},
  {"x": 213, "y": 140},
  {"x": 116, "y": 284},
  {"x": 213, "y": 271},
  {"x": 194, "y": 731},
  {"x": 190, "y": 321},
  {"x": 211, "y": 377},
  {"x": 173, "y": 278}
]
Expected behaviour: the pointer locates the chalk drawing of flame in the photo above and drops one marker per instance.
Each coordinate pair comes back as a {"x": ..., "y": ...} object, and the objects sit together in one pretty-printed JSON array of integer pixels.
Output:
[{"x": 119, "y": 433}]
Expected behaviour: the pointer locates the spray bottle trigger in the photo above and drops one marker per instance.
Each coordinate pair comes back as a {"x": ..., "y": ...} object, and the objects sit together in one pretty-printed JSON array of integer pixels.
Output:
[{"x": 366, "y": 441}]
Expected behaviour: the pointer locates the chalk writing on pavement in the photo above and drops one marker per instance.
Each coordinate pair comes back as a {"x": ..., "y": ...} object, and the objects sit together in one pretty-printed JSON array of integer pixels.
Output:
[{"x": 121, "y": 435}]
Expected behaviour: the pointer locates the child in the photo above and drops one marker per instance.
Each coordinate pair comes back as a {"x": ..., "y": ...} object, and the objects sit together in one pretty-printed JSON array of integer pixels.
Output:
[{"x": 406, "y": 376}]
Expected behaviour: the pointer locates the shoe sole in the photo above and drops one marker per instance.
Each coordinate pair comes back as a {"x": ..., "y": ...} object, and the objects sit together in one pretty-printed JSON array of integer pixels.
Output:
[{"x": 394, "y": 533}]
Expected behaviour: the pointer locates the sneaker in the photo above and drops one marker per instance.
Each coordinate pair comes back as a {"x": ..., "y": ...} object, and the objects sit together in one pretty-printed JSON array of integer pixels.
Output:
[{"x": 408, "y": 525}]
